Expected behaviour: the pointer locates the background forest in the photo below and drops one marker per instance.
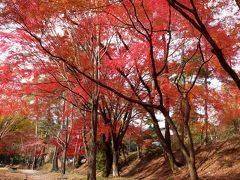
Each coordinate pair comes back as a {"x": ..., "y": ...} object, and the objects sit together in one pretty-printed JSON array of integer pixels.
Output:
[{"x": 96, "y": 80}]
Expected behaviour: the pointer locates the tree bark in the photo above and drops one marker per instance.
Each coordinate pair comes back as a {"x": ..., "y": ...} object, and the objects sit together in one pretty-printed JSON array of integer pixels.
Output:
[
  {"x": 108, "y": 156},
  {"x": 34, "y": 163},
  {"x": 92, "y": 148},
  {"x": 64, "y": 160},
  {"x": 206, "y": 109},
  {"x": 65, "y": 148},
  {"x": 171, "y": 159},
  {"x": 84, "y": 138},
  {"x": 191, "y": 155},
  {"x": 115, "y": 165},
  {"x": 115, "y": 154},
  {"x": 192, "y": 169},
  {"x": 55, "y": 160},
  {"x": 139, "y": 151}
]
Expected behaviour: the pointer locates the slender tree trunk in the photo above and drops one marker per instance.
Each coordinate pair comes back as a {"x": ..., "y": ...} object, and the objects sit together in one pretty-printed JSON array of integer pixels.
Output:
[
  {"x": 182, "y": 132},
  {"x": 206, "y": 109},
  {"x": 29, "y": 162},
  {"x": 139, "y": 154},
  {"x": 34, "y": 161},
  {"x": 166, "y": 70},
  {"x": 55, "y": 160},
  {"x": 192, "y": 169},
  {"x": 75, "y": 151},
  {"x": 192, "y": 164},
  {"x": 191, "y": 155},
  {"x": 167, "y": 135},
  {"x": 167, "y": 129},
  {"x": 124, "y": 153},
  {"x": 165, "y": 143},
  {"x": 55, "y": 166},
  {"x": 171, "y": 159},
  {"x": 41, "y": 159},
  {"x": 64, "y": 160},
  {"x": 188, "y": 151},
  {"x": 67, "y": 138},
  {"x": 92, "y": 150},
  {"x": 92, "y": 142},
  {"x": 84, "y": 139},
  {"x": 35, "y": 147}
]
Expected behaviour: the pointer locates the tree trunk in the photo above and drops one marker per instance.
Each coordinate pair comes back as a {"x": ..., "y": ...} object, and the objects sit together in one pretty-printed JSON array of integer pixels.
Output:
[
  {"x": 171, "y": 159},
  {"x": 40, "y": 161},
  {"x": 84, "y": 139},
  {"x": 92, "y": 142},
  {"x": 92, "y": 150},
  {"x": 55, "y": 161},
  {"x": 29, "y": 162},
  {"x": 35, "y": 147},
  {"x": 115, "y": 153},
  {"x": 182, "y": 132},
  {"x": 67, "y": 137},
  {"x": 191, "y": 155},
  {"x": 115, "y": 165},
  {"x": 206, "y": 108},
  {"x": 124, "y": 152},
  {"x": 34, "y": 162},
  {"x": 64, "y": 160},
  {"x": 192, "y": 169},
  {"x": 139, "y": 152},
  {"x": 108, "y": 156},
  {"x": 167, "y": 135},
  {"x": 166, "y": 70}
]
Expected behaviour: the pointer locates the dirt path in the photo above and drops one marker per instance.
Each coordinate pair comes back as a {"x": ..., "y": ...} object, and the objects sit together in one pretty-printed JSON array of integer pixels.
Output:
[
  {"x": 32, "y": 174},
  {"x": 26, "y": 174}
]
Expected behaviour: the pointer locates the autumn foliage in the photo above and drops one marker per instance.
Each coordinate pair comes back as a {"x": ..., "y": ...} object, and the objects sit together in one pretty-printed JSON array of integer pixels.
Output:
[{"x": 90, "y": 72}]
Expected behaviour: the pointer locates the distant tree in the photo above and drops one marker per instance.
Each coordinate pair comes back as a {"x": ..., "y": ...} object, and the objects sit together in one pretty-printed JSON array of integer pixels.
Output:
[{"x": 13, "y": 124}]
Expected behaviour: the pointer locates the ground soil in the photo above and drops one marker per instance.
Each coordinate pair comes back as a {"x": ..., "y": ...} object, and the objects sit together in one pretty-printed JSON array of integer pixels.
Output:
[{"x": 219, "y": 160}]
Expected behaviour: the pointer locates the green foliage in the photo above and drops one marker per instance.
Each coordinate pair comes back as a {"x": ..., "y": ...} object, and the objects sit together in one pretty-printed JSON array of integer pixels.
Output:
[
  {"x": 153, "y": 151},
  {"x": 49, "y": 128},
  {"x": 104, "y": 158},
  {"x": 13, "y": 124},
  {"x": 235, "y": 125},
  {"x": 131, "y": 145},
  {"x": 101, "y": 160},
  {"x": 11, "y": 159},
  {"x": 232, "y": 129}
]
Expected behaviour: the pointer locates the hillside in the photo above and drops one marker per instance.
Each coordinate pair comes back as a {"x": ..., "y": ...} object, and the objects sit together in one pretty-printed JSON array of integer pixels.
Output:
[{"x": 219, "y": 160}]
